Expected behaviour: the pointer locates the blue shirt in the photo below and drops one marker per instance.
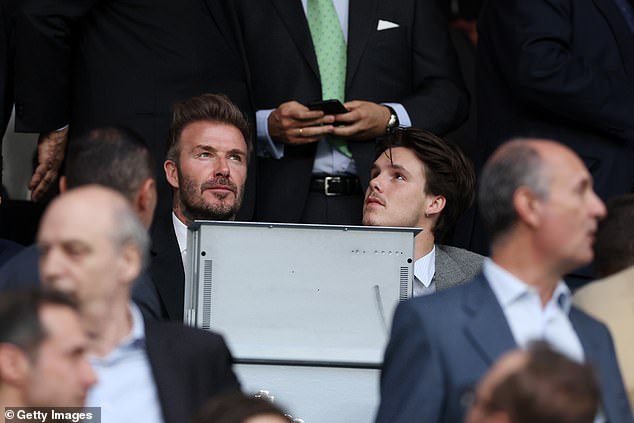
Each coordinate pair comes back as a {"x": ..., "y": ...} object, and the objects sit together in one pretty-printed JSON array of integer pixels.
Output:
[{"x": 125, "y": 389}]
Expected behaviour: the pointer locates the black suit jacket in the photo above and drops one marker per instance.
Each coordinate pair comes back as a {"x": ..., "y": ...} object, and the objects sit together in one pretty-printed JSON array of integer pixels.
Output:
[
  {"x": 413, "y": 64},
  {"x": 441, "y": 345},
  {"x": 166, "y": 267},
  {"x": 124, "y": 62},
  {"x": 560, "y": 69},
  {"x": 189, "y": 367},
  {"x": 7, "y": 53}
]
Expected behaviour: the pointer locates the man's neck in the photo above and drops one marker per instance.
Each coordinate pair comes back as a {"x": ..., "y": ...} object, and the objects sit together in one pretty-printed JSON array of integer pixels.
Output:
[
  {"x": 423, "y": 244},
  {"x": 107, "y": 324},
  {"x": 527, "y": 264}
]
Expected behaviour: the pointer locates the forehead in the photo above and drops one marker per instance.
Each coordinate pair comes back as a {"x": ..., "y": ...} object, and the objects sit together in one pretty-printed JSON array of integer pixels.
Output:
[
  {"x": 401, "y": 157},
  {"x": 219, "y": 136},
  {"x": 62, "y": 324},
  {"x": 75, "y": 221},
  {"x": 561, "y": 162}
]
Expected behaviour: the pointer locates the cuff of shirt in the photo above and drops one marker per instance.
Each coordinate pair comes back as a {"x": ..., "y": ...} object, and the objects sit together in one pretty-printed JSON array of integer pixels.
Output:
[
  {"x": 266, "y": 147},
  {"x": 401, "y": 113}
]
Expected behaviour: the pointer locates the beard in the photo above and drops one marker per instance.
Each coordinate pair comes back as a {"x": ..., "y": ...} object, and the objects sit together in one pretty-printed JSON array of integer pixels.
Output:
[{"x": 223, "y": 206}]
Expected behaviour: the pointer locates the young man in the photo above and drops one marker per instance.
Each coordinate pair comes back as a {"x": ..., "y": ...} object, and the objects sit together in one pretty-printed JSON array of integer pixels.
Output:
[
  {"x": 42, "y": 344},
  {"x": 420, "y": 180}
]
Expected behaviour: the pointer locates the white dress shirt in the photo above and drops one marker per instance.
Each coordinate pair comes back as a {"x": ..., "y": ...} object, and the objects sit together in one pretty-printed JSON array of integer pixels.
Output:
[
  {"x": 424, "y": 270},
  {"x": 528, "y": 319}
]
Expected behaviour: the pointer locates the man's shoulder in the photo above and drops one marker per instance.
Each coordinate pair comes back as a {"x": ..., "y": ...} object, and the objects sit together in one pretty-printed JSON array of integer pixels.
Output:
[
  {"x": 447, "y": 299},
  {"x": 456, "y": 265},
  {"x": 461, "y": 255},
  {"x": 188, "y": 337}
]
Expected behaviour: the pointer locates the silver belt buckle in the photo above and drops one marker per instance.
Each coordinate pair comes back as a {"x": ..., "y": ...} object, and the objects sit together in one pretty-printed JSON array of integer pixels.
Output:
[{"x": 327, "y": 181}]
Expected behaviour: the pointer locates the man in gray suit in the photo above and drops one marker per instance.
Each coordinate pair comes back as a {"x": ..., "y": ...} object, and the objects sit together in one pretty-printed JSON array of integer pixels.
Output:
[{"x": 420, "y": 180}]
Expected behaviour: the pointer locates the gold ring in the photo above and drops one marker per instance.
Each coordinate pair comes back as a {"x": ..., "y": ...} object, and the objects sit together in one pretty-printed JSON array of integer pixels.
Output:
[{"x": 300, "y": 131}]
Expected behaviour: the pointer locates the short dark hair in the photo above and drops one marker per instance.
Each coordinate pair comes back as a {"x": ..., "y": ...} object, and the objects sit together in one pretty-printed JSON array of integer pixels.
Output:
[
  {"x": 20, "y": 323},
  {"x": 614, "y": 246},
  {"x": 236, "y": 408},
  {"x": 548, "y": 388},
  {"x": 448, "y": 172},
  {"x": 215, "y": 108},
  {"x": 516, "y": 164},
  {"x": 115, "y": 157}
]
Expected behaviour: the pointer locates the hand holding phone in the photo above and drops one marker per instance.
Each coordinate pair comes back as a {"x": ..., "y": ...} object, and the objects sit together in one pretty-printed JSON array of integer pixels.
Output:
[{"x": 329, "y": 107}]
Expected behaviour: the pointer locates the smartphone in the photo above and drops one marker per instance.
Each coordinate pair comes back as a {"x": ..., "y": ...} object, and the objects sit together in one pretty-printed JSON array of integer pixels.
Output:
[{"x": 329, "y": 107}]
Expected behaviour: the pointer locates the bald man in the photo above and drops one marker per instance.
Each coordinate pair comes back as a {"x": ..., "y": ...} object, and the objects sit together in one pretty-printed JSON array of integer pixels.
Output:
[
  {"x": 94, "y": 246},
  {"x": 538, "y": 203}
]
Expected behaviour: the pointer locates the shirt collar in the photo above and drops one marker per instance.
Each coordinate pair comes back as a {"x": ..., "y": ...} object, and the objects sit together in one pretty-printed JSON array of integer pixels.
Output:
[
  {"x": 137, "y": 334},
  {"x": 181, "y": 233},
  {"x": 425, "y": 267},
  {"x": 508, "y": 287}
]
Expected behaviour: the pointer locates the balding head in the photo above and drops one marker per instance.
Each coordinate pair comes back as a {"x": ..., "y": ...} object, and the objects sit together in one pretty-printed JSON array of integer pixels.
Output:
[
  {"x": 541, "y": 190},
  {"x": 538, "y": 385},
  {"x": 92, "y": 244}
]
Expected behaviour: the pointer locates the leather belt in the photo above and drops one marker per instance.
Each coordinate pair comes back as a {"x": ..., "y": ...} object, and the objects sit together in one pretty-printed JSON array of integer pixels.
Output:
[{"x": 336, "y": 185}]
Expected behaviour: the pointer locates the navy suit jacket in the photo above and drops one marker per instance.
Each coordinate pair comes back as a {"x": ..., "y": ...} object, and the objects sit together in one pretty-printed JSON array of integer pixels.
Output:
[
  {"x": 567, "y": 73},
  {"x": 442, "y": 344}
]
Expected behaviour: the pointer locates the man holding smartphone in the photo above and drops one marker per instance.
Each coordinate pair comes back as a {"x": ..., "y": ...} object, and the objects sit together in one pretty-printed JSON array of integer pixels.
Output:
[{"x": 389, "y": 63}]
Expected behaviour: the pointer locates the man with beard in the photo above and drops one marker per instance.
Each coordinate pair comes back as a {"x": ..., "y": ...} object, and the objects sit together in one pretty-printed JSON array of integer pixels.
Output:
[{"x": 206, "y": 166}]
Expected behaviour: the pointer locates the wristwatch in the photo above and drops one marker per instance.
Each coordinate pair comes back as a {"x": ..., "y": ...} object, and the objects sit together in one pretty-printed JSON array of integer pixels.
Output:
[{"x": 392, "y": 122}]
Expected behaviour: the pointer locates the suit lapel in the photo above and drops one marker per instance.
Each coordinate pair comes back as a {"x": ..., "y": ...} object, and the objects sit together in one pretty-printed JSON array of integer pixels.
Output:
[
  {"x": 167, "y": 268},
  {"x": 622, "y": 34},
  {"x": 487, "y": 328},
  {"x": 362, "y": 21},
  {"x": 293, "y": 16}
]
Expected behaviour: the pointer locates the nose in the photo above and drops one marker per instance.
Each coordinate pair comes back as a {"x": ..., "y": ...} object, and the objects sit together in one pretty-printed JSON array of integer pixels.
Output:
[
  {"x": 88, "y": 375},
  {"x": 375, "y": 184},
  {"x": 598, "y": 207},
  {"x": 50, "y": 265},
  {"x": 221, "y": 167}
]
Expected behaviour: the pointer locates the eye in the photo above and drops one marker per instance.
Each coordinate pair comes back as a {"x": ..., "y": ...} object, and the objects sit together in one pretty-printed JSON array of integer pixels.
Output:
[
  {"x": 236, "y": 157},
  {"x": 399, "y": 177},
  {"x": 203, "y": 154}
]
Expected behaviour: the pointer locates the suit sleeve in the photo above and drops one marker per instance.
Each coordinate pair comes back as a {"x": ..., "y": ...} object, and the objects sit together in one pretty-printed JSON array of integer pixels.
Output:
[
  {"x": 615, "y": 400},
  {"x": 44, "y": 40},
  {"x": 532, "y": 43},
  {"x": 223, "y": 372},
  {"x": 412, "y": 384},
  {"x": 439, "y": 101}
]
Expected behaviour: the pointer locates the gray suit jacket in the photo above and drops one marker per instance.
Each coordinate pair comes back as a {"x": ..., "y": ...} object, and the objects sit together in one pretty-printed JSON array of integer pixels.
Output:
[{"x": 455, "y": 266}]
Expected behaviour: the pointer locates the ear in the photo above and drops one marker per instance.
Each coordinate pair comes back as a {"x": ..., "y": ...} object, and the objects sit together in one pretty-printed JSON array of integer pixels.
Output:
[
  {"x": 145, "y": 201},
  {"x": 435, "y": 206},
  {"x": 14, "y": 365},
  {"x": 130, "y": 262},
  {"x": 527, "y": 206},
  {"x": 171, "y": 173},
  {"x": 63, "y": 186}
]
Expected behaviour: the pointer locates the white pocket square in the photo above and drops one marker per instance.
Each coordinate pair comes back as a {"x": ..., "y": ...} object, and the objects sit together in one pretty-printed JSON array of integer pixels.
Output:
[{"x": 386, "y": 25}]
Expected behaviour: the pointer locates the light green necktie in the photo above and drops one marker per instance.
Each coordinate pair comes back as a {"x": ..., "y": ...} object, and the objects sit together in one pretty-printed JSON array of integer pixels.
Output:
[{"x": 330, "y": 48}]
